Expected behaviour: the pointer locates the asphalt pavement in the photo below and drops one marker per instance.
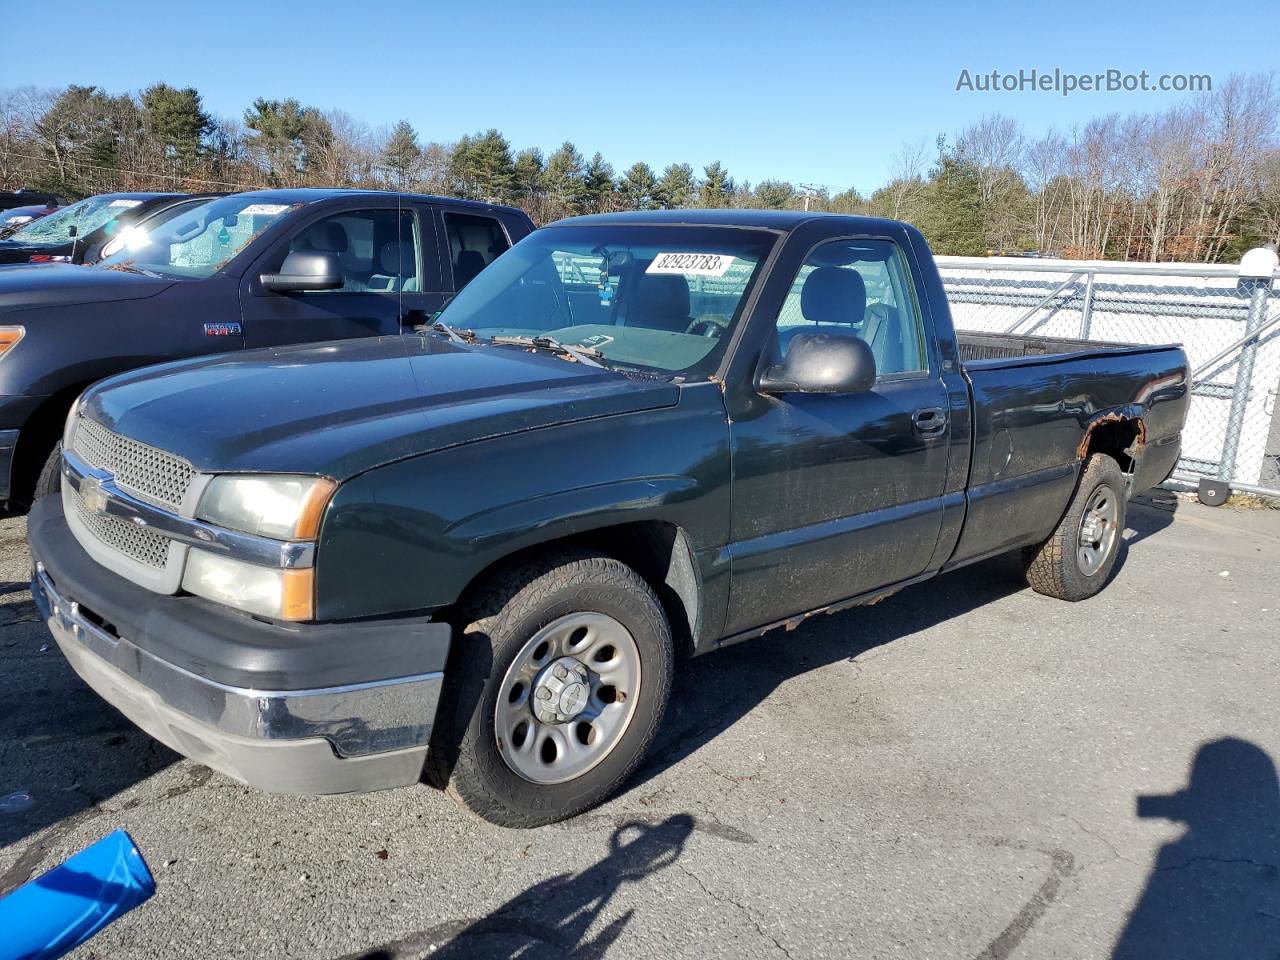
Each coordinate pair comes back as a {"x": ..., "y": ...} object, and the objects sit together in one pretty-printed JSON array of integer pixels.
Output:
[{"x": 965, "y": 770}]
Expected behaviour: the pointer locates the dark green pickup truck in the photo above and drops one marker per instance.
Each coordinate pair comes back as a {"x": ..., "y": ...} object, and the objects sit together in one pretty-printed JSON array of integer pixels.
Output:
[{"x": 474, "y": 552}]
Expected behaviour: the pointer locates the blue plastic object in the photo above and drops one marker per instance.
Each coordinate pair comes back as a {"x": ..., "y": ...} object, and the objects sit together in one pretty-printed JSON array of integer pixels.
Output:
[{"x": 61, "y": 909}]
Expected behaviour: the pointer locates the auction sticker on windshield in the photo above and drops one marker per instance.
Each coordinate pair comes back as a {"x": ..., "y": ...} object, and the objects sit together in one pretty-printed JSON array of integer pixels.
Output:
[
  {"x": 691, "y": 264},
  {"x": 264, "y": 209},
  {"x": 124, "y": 203}
]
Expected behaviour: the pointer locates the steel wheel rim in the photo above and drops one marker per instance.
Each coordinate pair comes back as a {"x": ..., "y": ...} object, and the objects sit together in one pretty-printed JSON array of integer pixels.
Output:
[
  {"x": 1099, "y": 528},
  {"x": 557, "y": 751}
]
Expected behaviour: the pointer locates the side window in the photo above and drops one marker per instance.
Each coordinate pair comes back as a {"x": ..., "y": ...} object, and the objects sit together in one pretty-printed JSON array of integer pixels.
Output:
[
  {"x": 858, "y": 288},
  {"x": 474, "y": 243},
  {"x": 378, "y": 249}
]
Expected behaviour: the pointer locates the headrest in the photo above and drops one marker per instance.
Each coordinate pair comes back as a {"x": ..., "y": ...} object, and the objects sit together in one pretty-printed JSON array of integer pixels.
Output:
[
  {"x": 834, "y": 295},
  {"x": 396, "y": 256},
  {"x": 326, "y": 237},
  {"x": 661, "y": 296}
]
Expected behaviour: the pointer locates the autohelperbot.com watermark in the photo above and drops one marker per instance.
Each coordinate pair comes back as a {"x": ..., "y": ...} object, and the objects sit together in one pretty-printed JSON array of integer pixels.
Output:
[{"x": 1065, "y": 82}]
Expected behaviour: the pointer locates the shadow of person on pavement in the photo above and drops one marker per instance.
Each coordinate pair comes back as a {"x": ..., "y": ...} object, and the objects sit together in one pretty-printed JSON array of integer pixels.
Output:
[
  {"x": 553, "y": 919},
  {"x": 1215, "y": 891}
]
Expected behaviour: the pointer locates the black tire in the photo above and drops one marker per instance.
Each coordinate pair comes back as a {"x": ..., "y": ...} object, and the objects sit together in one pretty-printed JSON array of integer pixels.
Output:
[
  {"x": 493, "y": 627},
  {"x": 50, "y": 479},
  {"x": 1053, "y": 568}
]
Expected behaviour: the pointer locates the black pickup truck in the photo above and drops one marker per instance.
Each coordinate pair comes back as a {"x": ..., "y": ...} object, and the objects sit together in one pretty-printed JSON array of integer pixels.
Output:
[
  {"x": 475, "y": 550},
  {"x": 247, "y": 270}
]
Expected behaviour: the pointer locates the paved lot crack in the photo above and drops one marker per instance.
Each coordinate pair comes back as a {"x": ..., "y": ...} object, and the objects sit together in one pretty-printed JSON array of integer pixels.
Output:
[{"x": 742, "y": 908}]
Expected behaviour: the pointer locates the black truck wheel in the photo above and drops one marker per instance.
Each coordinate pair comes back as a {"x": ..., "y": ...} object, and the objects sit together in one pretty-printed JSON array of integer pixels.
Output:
[
  {"x": 1076, "y": 560},
  {"x": 50, "y": 478},
  {"x": 557, "y": 683}
]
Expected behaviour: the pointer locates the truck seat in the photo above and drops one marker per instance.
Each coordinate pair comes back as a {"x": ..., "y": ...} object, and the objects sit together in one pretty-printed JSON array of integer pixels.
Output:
[
  {"x": 394, "y": 261},
  {"x": 833, "y": 300},
  {"x": 661, "y": 302}
]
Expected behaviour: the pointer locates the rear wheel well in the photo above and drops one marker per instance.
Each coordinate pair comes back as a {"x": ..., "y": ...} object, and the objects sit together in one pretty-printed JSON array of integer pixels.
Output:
[
  {"x": 658, "y": 551},
  {"x": 1119, "y": 438},
  {"x": 42, "y": 430}
]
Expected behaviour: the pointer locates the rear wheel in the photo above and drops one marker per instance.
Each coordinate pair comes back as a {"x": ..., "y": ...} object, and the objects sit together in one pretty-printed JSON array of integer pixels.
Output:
[
  {"x": 1077, "y": 559},
  {"x": 558, "y": 682}
]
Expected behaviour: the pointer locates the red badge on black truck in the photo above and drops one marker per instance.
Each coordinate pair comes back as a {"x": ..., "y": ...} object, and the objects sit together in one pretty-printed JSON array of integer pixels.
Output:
[{"x": 222, "y": 330}]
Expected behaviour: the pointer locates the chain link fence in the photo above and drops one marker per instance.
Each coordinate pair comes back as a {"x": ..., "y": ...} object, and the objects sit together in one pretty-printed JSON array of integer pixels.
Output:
[{"x": 1229, "y": 327}]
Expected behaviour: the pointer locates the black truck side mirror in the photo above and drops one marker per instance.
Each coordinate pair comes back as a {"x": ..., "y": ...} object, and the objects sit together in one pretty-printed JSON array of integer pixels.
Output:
[
  {"x": 821, "y": 363},
  {"x": 305, "y": 271}
]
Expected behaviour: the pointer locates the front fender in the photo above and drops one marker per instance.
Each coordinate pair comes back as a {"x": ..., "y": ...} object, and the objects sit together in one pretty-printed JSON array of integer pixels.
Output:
[{"x": 414, "y": 534}]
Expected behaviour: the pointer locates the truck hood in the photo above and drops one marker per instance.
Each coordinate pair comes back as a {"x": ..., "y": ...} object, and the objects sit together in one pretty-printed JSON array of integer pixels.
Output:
[
  {"x": 338, "y": 409},
  {"x": 64, "y": 284}
]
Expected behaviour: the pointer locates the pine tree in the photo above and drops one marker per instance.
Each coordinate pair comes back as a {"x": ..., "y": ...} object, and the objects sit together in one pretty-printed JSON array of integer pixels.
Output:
[
  {"x": 678, "y": 187},
  {"x": 528, "y": 170},
  {"x": 402, "y": 156},
  {"x": 952, "y": 219},
  {"x": 597, "y": 184},
  {"x": 717, "y": 188},
  {"x": 637, "y": 186},
  {"x": 284, "y": 131},
  {"x": 773, "y": 194},
  {"x": 176, "y": 120},
  {"x": 493, "y": 168},
  {"x": 565, "y": 180}
]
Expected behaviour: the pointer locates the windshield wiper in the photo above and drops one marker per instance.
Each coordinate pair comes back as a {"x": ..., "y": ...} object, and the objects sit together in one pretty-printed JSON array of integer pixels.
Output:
[
  {"x": 585, "y": 355},
  {"x": 457, "y": 336}
]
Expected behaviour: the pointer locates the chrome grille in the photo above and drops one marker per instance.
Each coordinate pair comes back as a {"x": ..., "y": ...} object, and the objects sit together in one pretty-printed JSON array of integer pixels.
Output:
[
  {"x": 136, "y": 543},
  {"x": 154, "y": 474}
]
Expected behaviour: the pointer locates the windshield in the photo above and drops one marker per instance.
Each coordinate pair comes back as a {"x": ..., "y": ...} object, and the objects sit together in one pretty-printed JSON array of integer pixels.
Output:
[
  {"x": 86, "y": 216},
  {"x": 135, "y": 233},
  {"x": 663, "y": 299},
  {"x": 197, "y": 242}
]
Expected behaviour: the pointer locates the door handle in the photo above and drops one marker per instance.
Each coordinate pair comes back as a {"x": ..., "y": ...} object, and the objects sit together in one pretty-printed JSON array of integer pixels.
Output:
[{"x": 929, "y": 421}]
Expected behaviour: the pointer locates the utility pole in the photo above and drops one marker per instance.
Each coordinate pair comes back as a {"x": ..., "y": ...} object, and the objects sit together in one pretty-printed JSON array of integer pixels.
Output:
[{"x": 810, "y": 192}]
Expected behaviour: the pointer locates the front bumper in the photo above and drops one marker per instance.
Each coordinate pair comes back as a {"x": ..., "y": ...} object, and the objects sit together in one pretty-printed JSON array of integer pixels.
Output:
[{"x": 338, "y": 738}]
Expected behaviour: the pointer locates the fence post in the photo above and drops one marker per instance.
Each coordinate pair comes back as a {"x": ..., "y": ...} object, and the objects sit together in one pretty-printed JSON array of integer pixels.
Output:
[
  {"x": 1256, "y": 269},
  {"x": 1086, "y": 310}
]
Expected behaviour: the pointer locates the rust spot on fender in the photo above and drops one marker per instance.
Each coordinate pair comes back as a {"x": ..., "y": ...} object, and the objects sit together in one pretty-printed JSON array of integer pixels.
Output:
[{"x": 1140, "y": 437}]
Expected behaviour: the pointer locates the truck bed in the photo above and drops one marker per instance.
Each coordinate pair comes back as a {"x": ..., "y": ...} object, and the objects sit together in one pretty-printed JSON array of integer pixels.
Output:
[
  {"x": 978, "y": 346},
  {"x": 1033, "y": 401}
]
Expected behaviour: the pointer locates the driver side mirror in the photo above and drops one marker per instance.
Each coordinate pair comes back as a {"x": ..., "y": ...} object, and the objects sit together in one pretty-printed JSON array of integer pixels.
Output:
[
  {"x": 821, "y": 363},
  {"x": 305, "y": 271}
]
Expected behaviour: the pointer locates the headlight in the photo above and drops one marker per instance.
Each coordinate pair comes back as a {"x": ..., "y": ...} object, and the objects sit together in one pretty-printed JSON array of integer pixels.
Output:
[
  {"x": 281, "y": 507},
  {"x": 268, "y": 591}
]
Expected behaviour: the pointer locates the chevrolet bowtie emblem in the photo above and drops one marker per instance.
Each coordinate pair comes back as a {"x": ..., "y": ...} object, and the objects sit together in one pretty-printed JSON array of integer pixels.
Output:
[{"x": 92, "y": 495}]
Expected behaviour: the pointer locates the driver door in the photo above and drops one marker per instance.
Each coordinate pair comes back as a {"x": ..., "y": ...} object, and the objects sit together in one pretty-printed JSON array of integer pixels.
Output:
[
  {"x": 380, "y": 251},
  {"x": 836, "y": 495}
]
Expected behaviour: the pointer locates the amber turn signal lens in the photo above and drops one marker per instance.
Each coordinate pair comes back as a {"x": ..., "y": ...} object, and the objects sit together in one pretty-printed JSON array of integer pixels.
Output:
[
  {"x": 297, "y": 601},
  {"x": 9, "y": 336},
  {"x": 313, "y": 504}
]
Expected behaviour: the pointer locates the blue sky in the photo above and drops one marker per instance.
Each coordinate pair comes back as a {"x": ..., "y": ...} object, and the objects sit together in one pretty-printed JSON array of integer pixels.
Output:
[{"x": 820, "y": 93}]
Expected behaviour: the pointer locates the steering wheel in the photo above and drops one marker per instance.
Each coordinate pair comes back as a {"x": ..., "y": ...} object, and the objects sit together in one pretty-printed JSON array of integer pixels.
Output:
[{"x": 712, "y": 326}]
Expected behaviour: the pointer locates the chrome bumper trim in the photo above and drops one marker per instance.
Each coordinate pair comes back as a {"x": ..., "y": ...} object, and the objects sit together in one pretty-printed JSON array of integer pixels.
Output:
[
  {"x": 116, "y": 502},
  {"x": 358, "y": 719}
]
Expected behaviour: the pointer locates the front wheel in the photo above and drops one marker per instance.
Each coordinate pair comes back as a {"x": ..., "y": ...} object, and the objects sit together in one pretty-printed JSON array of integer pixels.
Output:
[
  {"x": 50, "y": 478},
  {"x": 1076, "y": 560},
  {"x": 557, "y": 685}
]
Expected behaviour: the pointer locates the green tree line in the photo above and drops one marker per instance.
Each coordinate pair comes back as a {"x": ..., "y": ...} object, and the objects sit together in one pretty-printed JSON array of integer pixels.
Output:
[{"x": 1197, "y": 181}]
